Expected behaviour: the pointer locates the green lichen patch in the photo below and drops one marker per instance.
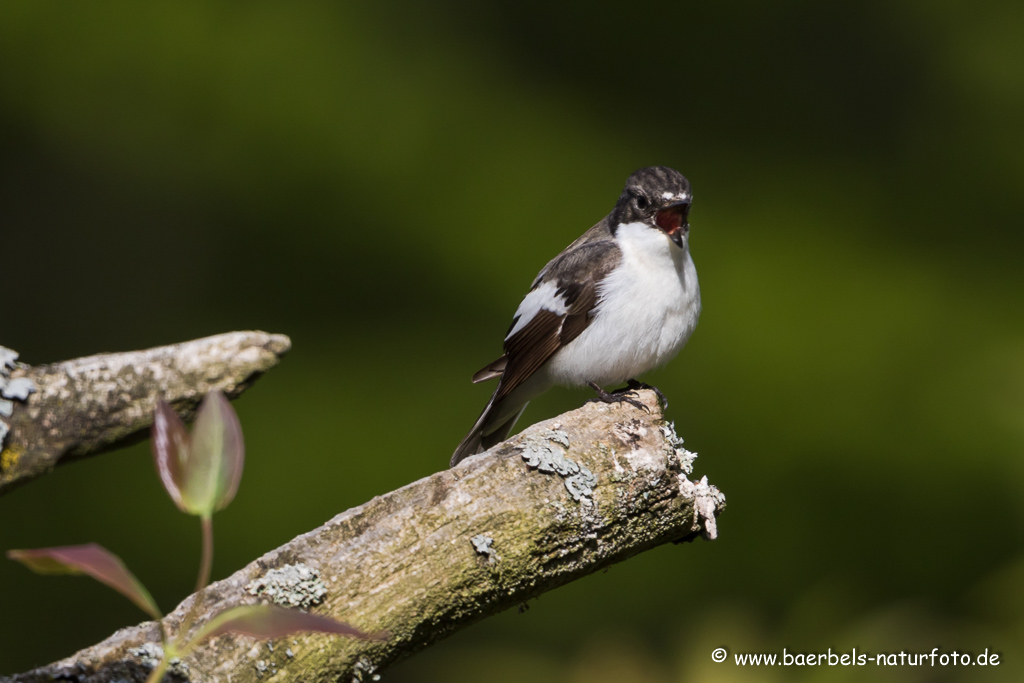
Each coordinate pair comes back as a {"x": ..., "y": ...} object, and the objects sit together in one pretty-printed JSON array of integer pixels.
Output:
[{"x": 10, "y": 456}]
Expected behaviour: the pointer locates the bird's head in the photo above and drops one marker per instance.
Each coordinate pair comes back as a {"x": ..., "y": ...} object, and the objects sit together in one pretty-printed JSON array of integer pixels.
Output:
[{"x": 659, "y": 197}]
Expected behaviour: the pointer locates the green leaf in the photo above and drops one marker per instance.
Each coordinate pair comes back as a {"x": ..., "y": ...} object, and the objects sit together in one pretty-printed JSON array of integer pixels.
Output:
[
  {"x": 93, "y": 560},
  {"x": 217, "y": 457},
  {"x": 201, "y": 471}
]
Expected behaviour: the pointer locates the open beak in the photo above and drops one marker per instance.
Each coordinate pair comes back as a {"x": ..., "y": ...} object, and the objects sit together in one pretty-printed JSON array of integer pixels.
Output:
[{"x": 674, "y": 220}]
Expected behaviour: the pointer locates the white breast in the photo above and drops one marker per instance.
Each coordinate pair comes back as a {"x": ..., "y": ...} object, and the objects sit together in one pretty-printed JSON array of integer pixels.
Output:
[{"x": 648, "y": 308}]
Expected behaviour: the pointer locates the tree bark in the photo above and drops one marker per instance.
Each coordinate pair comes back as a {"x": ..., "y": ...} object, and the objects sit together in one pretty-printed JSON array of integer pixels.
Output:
[
  {"x": 90, "y": 405},
  {"x": 561, "y": 500}
]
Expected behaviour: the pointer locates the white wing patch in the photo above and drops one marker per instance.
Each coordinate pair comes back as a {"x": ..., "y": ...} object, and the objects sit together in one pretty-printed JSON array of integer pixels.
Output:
[{"x": 544, "y": 297}]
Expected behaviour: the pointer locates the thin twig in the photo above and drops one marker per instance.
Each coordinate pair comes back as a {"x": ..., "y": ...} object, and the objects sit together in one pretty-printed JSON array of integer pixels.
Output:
[
  {"x": 94, "y": 404},
  {"x": 206, "y": 563}
]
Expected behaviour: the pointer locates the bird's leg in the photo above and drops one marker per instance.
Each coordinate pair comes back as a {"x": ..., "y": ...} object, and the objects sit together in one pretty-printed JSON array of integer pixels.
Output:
[
  {"x": 620, "y": 396},
  {"x": 633, "y": 385}
]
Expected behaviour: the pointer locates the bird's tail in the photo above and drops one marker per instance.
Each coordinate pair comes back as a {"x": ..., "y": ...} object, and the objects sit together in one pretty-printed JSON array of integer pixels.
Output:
[{"x": 492, "y": 427}]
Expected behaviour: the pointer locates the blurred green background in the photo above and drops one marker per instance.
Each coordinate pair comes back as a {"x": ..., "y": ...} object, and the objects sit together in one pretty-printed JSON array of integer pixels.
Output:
[{"x": 382, "y": 182}]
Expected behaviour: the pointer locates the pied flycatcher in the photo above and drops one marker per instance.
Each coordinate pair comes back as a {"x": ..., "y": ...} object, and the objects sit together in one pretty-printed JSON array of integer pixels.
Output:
[{"x": 617, "y": 302}]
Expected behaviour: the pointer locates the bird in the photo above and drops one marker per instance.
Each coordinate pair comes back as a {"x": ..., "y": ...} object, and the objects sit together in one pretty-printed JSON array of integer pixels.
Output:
[{"x": 621, "y": 300}]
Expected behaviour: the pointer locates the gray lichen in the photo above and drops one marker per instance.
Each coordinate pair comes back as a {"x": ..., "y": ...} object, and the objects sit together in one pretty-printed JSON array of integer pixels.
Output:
[
  {"x": 482, "y": 544},
  {"x": 178, "y": 667},
  {"x": 582, "y": 484},
  {"x": 363, "y": 670},
  {"x": 151, "y": 654},
  {"x": 148, "y": 654},
  {"x": 707, "y": 501},
  {"x": 541, "y": 451},
  {"x": 293, "y": 585},
  {"x": 18, "y": 388},
  {"x": 681, "y": 455},
  {"x": 7, "y": 359},
  {"x": 630, "y": 432}
]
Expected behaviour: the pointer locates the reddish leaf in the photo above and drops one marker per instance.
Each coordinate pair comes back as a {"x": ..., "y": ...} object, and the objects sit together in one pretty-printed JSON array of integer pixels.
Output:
[
  {"x": 217, "y": 456},
  {"x": 91, "y": 559},
  {"x": 270, "y": 621},
  {"x": 171, "y": 445}
]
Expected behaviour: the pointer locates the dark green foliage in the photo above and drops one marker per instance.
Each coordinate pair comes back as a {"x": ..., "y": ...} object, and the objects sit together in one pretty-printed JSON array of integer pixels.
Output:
[{"x": 381, "y": 183}]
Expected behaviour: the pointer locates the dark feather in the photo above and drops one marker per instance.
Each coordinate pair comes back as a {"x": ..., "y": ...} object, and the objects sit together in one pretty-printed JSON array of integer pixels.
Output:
[
  {"x": 491, "y": 370},
  {"x": 528, "y": 348},
  {"x": 577, "y": 273},
  {"x": 580, "y": 311}
]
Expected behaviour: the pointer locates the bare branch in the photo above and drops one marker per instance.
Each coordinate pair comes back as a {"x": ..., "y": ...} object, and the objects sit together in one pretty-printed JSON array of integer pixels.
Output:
[
  {"x": 89, "y": 405},
  {"x": 557, "y": 502}
]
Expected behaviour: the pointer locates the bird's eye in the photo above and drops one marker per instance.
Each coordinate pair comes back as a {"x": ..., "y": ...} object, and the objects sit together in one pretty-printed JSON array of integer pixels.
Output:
[{"x": 641, "y": 202}]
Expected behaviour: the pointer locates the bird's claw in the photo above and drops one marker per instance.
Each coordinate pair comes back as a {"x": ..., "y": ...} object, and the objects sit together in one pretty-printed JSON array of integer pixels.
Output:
[
  {"x": 634, "y": 385},
  {"x": 619, "y": 396}
]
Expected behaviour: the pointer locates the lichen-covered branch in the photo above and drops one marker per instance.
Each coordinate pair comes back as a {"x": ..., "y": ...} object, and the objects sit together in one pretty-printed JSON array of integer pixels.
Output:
[
  {"x": 89, "y": 405},
  {"x": 555, "y": 503}
]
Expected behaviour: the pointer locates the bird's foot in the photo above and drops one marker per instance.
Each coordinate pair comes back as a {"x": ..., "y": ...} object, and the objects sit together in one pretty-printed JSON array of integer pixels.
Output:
[
  {"x": 619, "y": 396},
  {"x": 633, "y": 385}
]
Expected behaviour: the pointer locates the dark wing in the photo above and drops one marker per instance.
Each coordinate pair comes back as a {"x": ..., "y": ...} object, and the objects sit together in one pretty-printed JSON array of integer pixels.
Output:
[
  {"x": 576, "y": 274},
  {"x": 491, "y": 370}
]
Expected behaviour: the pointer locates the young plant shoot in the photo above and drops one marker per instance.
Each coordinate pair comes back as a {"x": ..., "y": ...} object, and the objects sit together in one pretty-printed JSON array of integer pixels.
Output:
[{"x": 201, "y": 472}]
